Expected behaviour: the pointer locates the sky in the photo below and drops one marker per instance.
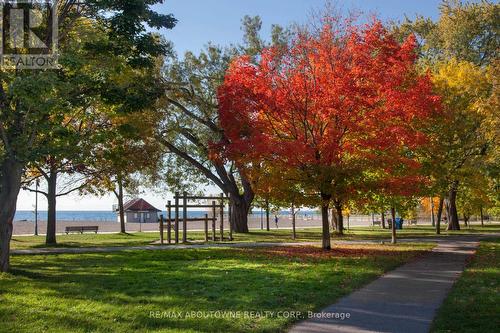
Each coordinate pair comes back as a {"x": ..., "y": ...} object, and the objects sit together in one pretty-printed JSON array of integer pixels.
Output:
[{"x": 218, "y": 21}]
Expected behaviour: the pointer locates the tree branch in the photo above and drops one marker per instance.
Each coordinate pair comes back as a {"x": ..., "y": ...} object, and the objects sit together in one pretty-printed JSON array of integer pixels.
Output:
[
  {"x": 192, "y": 115},
  {"x": 193, "y": 162}
]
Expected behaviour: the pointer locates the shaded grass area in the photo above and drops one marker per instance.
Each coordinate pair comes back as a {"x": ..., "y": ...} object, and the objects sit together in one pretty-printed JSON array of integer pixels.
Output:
[
  {"x": 140, "y": 291},
  {"x": 86, "y": 240},
  {"x": 474, "y": 302},
  {"x": 275, "y": 235}
]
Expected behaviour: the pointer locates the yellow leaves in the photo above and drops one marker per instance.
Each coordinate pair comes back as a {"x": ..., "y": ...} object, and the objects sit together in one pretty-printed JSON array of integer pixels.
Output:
[
  {"x": 428, "y": 204},
  {"x": 462, "y": 76},
  {"x": 465, "y": 88},
  {"x": 33, "y": 173}
]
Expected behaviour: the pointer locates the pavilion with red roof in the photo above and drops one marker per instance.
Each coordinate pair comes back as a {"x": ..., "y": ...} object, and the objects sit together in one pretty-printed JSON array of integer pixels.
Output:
[{"x": 139, "y": 210}]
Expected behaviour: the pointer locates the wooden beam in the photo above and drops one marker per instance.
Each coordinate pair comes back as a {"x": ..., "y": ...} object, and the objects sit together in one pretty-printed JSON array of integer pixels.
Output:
[
  {"x": 176, "y": 223},
  {"x": 184, "y": 218},
  {"x": 169, "y": 222}
]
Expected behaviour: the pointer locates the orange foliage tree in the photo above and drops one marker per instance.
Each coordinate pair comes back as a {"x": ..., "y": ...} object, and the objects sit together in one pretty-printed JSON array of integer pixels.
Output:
[{"x": 333, "y": 107}]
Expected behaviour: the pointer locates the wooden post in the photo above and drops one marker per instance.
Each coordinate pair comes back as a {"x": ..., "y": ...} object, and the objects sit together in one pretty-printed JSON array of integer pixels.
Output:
[
  {"x": 169, "y": 222},
  {"x": 222, "y": 217},
  {"x": 161, "y": 229},
  {"x": 229, "y": 218},
  {"x": 214, "y": 217},
  {"x": 184, "y": 218},
  {"x": 176, "y": 225},
  {"x": 206, "y": 227}
]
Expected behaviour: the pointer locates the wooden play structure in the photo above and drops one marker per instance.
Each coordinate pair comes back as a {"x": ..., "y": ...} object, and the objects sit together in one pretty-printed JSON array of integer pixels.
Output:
[{"x": 183, "y": 202}]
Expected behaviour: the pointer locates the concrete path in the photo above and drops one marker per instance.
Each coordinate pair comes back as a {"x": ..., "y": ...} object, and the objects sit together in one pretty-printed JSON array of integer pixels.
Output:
[{"x": 404, "y": 300}]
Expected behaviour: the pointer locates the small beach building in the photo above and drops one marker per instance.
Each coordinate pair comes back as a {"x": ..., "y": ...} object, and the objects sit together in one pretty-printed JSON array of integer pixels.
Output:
[{"x": 139, "y": 211}]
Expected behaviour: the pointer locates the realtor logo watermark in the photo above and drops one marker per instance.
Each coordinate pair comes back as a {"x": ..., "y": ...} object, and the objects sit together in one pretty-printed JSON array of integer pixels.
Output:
[{"x": 29, "y": 34}]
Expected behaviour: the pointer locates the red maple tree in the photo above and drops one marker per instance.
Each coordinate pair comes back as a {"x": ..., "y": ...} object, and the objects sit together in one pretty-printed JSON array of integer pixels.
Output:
[{"x": 334, "y": 105}]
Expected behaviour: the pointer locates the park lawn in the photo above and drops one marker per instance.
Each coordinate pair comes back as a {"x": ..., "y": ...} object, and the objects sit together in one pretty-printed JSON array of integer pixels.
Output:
[
  {"x": 473, "y": 304},
  {"x": 275, "y": 235},
  {"x": 136, "y": 291}
]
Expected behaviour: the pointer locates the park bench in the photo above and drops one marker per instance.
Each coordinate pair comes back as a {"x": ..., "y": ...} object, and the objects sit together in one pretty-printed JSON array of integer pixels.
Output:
[
  {"x": 377, "y": 222},
  {"x": 412, "y": 221},
  {"x": 81, "y": 229}
]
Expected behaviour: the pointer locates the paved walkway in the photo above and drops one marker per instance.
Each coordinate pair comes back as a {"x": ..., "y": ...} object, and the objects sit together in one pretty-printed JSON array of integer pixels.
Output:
[{"x": 403, "y": 300}]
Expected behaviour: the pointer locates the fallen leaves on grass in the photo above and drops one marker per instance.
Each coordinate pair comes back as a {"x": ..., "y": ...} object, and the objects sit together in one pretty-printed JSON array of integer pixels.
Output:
[{"x": 343, "y": 251}]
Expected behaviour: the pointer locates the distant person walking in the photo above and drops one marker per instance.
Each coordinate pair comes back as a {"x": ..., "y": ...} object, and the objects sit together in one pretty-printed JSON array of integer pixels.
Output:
[{"x": 276, "y": 220}]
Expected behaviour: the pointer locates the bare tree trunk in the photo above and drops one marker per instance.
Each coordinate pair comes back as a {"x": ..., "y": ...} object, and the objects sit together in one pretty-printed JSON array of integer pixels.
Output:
[
  {"x": 393, "y": 225},
  {"x": 453, "y": 223},
  {"x": 121, "y": 209},
  {"x": 383, "y": 220},
  {"x": 433, "y": 222},
  {"x": 325, "y": 225},
  {"x": 50, "y": 238},
  {"x": 294, "y": 234},
  {"x": 267, "y": 214},
  {"x": 335, "y": 224},
  {"x": 482, "y": 216},
  {"x": 340, "y": 217},
  {"x": 439, "y": 213},
  {"x": 10, "y": 184},
  {"x": 239, "y": 213}
]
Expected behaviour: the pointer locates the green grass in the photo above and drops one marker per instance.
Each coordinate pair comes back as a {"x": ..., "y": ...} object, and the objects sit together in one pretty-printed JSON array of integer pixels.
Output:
[
  {"x": 474, "y": 302},
  {"x": 280, "y": 235},
  {"x": 117, "y": 292}
]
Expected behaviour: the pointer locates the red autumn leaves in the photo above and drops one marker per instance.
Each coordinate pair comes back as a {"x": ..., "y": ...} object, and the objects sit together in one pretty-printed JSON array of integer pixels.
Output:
[{"x": 337, "y": 103}]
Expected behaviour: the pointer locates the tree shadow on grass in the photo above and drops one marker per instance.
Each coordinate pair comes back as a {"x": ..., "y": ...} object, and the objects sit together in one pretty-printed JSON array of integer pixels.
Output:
[{"x": 127, "y": 286}]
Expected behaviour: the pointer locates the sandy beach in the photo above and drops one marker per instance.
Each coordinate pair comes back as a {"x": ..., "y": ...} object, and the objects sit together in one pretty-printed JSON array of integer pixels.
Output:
[{"x": 28, "y": 227}]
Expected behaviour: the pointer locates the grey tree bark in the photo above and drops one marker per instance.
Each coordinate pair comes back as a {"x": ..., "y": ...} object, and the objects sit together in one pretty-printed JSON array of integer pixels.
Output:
[
  {"x": 393, "y": 225},
  {"x": 340, "y": 217},
  {"x": 10, "y": 185},
  {"x": 50, "y": 238},
  {"x": 324, "y": 219},
  {"x": 453, "y": 223},
  {"x": 439, "y": 214}
]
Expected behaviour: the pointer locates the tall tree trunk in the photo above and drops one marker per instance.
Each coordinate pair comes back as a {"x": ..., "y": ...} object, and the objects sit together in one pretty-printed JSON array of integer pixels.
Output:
[
  {"x": 324, "y": 219},
  {"x": 340, "y": 217},
  {"x": 10, "y": 184},
  {"x": 121, "y": 210},
  {"x": 50, "y": 238},
  {"x": 393, "y": 225},
  {"x": 433, "y": 222},
  {"x": 267, "y": 214},
  {"x": 382, "y": 215},
  {"x": 439, "y": 213},
  {"x": 482, "y": 216},
  {"x": 335, "y": 224},
  {"x": 453, "y": 223},
  {"x": 240, "y": 207}
]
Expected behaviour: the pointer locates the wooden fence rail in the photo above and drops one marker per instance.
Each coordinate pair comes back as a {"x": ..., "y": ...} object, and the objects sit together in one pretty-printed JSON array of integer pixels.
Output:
[{"x": 181, "y": 202}]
